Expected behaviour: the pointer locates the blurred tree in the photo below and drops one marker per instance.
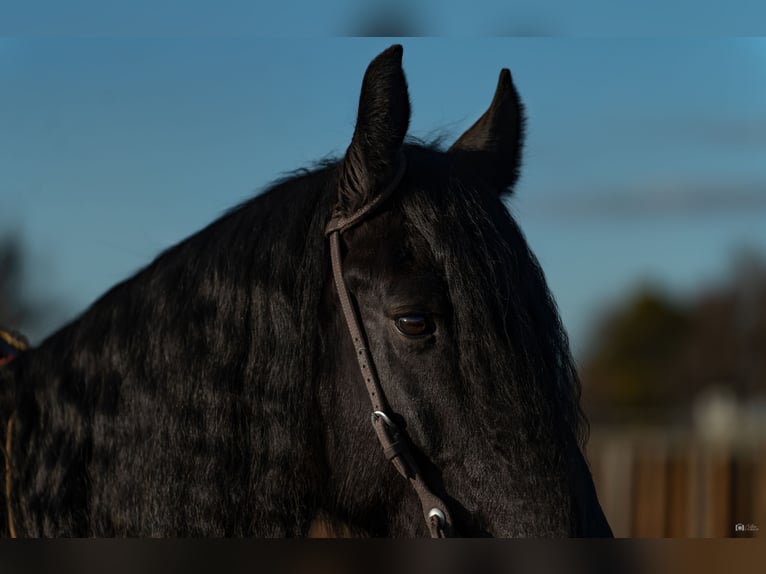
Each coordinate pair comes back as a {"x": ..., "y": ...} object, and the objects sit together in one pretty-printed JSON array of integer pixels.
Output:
[
  {"x": 635, "y": 344},
  {"x": 651, "y": 356},
  {"x": 17, "y": 310}
]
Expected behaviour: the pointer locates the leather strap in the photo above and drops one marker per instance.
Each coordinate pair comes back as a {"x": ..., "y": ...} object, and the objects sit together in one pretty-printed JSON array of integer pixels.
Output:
[
  {"x": 341, "y": 223},
  {"x": 395, "y": 446},
  {"x": 11, "y": 344},
  {"x": 8, "y": 467}
]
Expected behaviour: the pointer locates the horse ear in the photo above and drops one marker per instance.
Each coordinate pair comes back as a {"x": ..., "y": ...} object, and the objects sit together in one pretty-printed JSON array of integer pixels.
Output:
[
  {"x": 382, "y": 121},
  {"x": 494, "y": 143}
]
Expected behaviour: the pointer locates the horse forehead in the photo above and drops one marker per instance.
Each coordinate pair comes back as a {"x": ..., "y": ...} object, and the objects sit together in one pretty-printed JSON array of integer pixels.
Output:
[
  {"x": 379, "y": 241},
  {"x": 386, "y": 250}
]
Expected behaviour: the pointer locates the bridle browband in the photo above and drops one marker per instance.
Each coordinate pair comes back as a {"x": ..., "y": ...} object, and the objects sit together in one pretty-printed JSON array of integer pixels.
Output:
[{"x": 395, "y": 446}]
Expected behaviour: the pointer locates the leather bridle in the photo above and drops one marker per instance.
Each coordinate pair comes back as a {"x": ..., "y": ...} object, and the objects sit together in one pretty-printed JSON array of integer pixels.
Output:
[{"x": 395, "y": 445}]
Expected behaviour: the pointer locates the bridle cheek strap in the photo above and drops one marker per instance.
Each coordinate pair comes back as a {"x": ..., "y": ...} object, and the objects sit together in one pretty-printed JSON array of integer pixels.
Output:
[{"x": 395, "y": 446}]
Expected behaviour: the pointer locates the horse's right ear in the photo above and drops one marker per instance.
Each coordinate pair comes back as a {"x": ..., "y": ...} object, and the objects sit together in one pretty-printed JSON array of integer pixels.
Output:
[{"x": 382, "y": 121}]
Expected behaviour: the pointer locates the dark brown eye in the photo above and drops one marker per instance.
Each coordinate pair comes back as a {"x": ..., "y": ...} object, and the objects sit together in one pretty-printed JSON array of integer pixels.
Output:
[{"x": 414, "y": 325}]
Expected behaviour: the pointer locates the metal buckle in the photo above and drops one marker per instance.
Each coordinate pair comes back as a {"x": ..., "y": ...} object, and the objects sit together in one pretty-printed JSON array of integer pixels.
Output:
[
  {"x": 437, "y": 512},
  {"x": 380, "y": 414}
]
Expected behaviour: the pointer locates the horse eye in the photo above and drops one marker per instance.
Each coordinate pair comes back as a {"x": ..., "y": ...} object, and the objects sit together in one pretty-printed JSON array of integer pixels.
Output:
[{"x": 414, "y": 325}]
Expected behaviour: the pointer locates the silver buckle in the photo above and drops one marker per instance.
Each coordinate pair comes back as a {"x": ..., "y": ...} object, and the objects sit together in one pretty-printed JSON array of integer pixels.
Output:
[
  {"x": 438, "y": 514},
  {"x": 380, "y": 414}
]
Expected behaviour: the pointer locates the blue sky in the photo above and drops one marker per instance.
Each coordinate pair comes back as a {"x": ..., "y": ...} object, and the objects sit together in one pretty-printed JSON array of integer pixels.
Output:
[
  {"x": 300, "y": 18},
  {"x": 646, "y": 158}
]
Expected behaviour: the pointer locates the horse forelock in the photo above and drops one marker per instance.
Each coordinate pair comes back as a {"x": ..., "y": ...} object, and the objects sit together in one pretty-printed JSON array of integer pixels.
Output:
[{"x": 503, "y": 307}]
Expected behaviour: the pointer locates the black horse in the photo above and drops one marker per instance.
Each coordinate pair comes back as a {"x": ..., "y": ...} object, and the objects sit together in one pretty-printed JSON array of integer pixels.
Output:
[{"x": 217, "y": 392}]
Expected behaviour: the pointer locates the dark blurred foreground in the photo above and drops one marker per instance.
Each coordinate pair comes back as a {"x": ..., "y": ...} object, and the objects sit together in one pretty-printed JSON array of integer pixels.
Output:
[{"x": 373, "y": 557}]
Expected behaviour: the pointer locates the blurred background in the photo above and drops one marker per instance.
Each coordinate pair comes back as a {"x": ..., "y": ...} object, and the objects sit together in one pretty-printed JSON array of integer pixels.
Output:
[{"x": 643, "y": 194}]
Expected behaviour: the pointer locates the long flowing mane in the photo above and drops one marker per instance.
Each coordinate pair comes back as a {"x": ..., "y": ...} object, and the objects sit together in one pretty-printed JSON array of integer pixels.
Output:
[{"x": 216, "y": 337}]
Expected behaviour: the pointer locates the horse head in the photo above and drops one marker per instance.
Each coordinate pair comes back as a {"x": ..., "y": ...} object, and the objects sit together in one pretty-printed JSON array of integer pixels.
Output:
[{"x": 463, "y": 337}]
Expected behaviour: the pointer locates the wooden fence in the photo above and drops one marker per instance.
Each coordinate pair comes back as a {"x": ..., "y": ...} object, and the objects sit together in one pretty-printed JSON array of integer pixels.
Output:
[{"x": 673, "y": 484}]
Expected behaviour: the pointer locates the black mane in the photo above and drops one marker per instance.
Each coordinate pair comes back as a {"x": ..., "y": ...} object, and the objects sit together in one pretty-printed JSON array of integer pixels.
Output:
[{"x": 179, "y": 336}]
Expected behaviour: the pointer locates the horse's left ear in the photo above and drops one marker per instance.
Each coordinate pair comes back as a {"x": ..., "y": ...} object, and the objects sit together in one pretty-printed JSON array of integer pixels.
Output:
[
  {"x": 493, "y": 144},
  {"x": 382, "y": 121}
]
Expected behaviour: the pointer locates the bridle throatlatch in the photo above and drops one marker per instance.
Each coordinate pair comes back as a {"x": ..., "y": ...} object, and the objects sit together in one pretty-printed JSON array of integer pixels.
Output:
[{"x": 394, "y": 443}]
